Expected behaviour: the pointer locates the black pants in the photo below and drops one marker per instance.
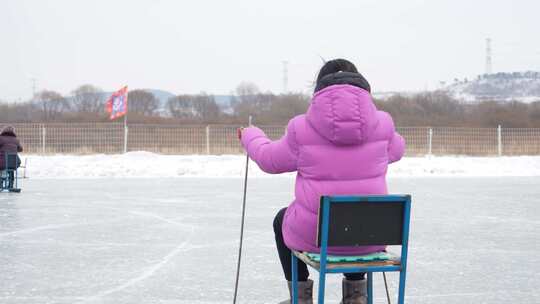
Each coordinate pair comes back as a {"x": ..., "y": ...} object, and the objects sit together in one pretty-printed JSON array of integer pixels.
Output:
[
  {"x": 285, "y": 254},
  {"x": 11, "y": 179}
]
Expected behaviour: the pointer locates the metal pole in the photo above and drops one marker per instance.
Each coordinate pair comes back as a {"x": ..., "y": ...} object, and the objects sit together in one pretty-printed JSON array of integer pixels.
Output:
[
  {"x": 208, "y": 140},
  {"x": 242, "y": 225},
  {"x": 25, "y": 166},
  {"x": 386, "y": 287},
  {"x": 125, "y": 133},
  {"x": 499, "y": 140},
  {"x": 43, "y": 138},
  {"x": 430, "y": 143}
]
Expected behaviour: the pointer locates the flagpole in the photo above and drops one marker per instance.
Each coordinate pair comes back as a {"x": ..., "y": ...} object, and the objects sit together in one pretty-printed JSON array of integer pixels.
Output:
[
  {"x": 125, "y": 133},
  {"x": 125, "y": 126}
]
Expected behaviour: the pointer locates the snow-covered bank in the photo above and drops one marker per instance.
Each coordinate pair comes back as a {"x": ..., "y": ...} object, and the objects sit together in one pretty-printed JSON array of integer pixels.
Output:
[{"x": 144, "y": 164}]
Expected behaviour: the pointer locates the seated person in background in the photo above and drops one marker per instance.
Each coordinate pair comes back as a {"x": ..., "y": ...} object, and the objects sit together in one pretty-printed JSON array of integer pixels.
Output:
[{"x": 9, "y": 144}]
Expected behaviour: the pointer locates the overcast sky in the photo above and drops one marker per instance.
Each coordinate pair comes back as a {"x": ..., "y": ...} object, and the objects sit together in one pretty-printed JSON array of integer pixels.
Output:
[{"x": 212, "y": 46}]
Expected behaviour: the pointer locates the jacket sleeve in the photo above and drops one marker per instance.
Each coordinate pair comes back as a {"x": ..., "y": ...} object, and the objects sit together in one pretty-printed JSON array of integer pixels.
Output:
[
  {"x": 396, "y": 147},
  {"x": 396, "y": 142},
  {"x": 272, "y": 156},
  {"x": 19, "y": 147}
]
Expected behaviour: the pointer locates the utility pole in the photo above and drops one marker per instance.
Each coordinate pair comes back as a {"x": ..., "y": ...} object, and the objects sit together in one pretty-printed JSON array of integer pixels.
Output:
[
  {"x": 488, "y": 56},
  {"x": 34, "y": 86},
  {"x": 285, "y": 77}
]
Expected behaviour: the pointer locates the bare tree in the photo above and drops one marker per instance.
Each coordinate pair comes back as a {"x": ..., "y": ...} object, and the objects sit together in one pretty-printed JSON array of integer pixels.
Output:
[
  {"x": 286, "y": 106},
  {"x": 88, "y": 99},
  {"x": 18, "y": 112},
  {"x": 142, "y": 102},
  {"x": 206, "y": 107},
  {"x": 51, "y": 105},
  {"x": 181, "y": 106},
  {"x": 246, "y": 91},
  {"x": 202, "y": 107},
  {"x": 249, "y": 101}
]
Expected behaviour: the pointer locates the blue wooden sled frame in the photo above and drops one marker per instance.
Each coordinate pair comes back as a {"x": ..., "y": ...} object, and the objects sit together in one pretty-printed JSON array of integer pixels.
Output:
[{"x": 326, "y": 201}]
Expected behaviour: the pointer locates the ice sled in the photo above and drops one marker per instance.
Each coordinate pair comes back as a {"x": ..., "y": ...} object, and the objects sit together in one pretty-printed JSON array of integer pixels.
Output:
[
  {"x": 9, "y": 176},
  {"x": 359, "y": 221}
]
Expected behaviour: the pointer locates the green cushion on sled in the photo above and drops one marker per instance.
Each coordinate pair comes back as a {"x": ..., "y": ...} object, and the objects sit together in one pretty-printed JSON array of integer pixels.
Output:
[{"x": 376, "y": 256}]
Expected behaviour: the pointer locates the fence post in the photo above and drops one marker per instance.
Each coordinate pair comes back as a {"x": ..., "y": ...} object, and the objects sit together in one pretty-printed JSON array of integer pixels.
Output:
[
  {"x": 208, "y": 139},
  {"x": 43, "y": 138},
  {"x": 430, "y": 143},
  {"x": 499, "y": 140},
  {"x": 125, "y": 138}
]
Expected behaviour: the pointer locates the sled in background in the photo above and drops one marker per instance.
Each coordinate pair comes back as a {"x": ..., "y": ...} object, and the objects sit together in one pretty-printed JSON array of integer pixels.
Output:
[{"x": 7, "y": 184}]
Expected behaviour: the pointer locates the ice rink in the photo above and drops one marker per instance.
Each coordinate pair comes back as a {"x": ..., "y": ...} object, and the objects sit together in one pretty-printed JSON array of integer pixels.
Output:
[{"x": 175, "y": 240}]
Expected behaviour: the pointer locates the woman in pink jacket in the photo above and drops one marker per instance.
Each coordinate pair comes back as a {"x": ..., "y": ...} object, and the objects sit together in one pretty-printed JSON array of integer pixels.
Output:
[{"x": 342, "y": 145}]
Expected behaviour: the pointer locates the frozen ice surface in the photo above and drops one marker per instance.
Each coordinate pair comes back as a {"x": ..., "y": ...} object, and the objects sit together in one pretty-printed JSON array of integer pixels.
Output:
[{"x": 175, "y": 240}]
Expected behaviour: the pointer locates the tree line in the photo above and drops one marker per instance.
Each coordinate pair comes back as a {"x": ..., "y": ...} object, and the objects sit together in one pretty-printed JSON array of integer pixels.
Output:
[{"x": 87, "y": 104}]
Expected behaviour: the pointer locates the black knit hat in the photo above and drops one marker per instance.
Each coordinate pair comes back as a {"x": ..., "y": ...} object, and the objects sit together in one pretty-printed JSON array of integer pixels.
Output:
[
  {"x": 8, "y": 130},
  {"x": 340, "y": 71}
]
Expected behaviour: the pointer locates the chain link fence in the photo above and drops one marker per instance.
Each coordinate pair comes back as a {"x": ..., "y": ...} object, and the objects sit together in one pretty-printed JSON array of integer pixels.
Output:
[{"x": 86, "y": 138}]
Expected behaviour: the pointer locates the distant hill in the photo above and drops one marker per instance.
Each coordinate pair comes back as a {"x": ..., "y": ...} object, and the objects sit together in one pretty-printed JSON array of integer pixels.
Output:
[
  {"x": 223, "y": 101},
  {"x": 519, "y": 86},
  {"x": 161, "y": 95}
]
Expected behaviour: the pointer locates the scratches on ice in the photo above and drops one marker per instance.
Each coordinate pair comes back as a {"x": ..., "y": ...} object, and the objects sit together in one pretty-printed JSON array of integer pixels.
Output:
[
  {"x": 151, "y": 270},
  {"x": 56, "y": 226},
  {"x": 158, "y": 217}
]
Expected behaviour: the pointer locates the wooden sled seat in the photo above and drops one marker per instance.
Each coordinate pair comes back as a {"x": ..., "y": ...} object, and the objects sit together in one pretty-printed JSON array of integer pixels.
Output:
[{"x": 334, "y": 261}]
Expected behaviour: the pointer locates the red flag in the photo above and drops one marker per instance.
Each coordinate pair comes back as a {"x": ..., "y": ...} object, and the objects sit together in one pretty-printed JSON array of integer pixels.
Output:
[{"x": 117, "y": 103}]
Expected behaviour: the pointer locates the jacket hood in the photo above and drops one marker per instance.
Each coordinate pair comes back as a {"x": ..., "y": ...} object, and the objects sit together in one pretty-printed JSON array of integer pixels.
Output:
[
  {"x": 8, "y": 132},
  {"x": 344, "y": 114}
]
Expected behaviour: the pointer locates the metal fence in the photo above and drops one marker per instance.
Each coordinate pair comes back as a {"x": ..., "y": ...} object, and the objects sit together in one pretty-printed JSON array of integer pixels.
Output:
[{"x": 109, "y": 138}]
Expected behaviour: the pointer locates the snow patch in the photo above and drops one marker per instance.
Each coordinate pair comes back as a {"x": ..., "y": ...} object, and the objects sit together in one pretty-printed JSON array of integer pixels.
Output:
[{"x": 150, "y": 165}]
